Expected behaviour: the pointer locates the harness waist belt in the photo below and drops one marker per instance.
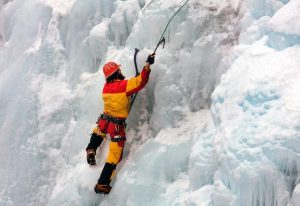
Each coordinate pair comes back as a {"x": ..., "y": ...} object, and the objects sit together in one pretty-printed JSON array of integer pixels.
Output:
[{"x": 112, "y": 119}]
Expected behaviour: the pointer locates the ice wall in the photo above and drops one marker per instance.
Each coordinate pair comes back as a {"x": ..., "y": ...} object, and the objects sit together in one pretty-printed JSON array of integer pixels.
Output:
[
  {"x": 177, "y": 153},
  {"x": 259, "y": 146},
  {"x": 261, "y": 162}
]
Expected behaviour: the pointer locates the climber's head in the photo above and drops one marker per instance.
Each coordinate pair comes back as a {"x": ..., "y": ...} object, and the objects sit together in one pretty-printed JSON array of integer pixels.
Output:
[{"x": 112, "y": 72}]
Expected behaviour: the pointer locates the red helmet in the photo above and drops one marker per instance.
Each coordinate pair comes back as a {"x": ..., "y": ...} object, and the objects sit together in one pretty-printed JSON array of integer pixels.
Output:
[{"x": 110, "y": 68}]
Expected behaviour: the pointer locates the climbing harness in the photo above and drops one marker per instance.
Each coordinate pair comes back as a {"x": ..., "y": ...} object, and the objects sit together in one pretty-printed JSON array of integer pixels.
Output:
[
  {"x": 114, "y": 120},
  {"x": 162, "y": 41},
  {"x": 118, "y": 138},
  {"x": 117, "y": 123}
]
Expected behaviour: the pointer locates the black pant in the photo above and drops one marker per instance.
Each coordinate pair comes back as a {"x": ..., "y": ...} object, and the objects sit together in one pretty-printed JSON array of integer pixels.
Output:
[
  {"x": 95, "y": 142},
  {"x": 108, "y": 169}
]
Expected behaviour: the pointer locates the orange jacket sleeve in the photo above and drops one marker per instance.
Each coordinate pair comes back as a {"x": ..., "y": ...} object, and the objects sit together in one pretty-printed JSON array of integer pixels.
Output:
[{"x": 135, "y": 84}]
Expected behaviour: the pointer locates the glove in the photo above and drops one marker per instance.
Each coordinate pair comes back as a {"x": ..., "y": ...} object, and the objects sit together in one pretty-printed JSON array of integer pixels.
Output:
[{"x": 150, "y": 59}]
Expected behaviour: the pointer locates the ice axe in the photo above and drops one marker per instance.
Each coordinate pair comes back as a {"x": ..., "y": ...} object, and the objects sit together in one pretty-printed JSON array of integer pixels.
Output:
[
  {"x": 136, "y": 74},
  {"x": 162, "y": 41}
]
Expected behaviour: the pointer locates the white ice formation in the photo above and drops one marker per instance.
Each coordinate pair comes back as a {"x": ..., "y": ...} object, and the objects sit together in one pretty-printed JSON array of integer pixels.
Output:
[{"x": 217, "y": 125}]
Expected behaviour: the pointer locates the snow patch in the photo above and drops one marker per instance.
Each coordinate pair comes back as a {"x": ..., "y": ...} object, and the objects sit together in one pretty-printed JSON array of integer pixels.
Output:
[
  {"x": 286, "y": 20},
  {"x": 60, "y": 7}
]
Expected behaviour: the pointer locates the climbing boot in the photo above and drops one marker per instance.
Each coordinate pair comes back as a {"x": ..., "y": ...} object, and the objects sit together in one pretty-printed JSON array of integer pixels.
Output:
[
  {"x": 90, "y": 156},
  {"x": 102, "y": 189}
]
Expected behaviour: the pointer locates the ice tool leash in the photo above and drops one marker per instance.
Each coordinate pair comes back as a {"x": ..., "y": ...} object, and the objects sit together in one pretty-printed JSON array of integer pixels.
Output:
[{"x": 162, "y": 41}]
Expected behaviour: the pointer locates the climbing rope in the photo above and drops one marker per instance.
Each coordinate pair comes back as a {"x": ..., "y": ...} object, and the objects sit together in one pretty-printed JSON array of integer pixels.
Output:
[{"x": 162, "y": 40}]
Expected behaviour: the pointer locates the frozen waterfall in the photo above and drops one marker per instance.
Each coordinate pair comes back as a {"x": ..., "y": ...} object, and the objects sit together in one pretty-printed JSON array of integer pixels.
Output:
[{"x": 217, "y": 125}]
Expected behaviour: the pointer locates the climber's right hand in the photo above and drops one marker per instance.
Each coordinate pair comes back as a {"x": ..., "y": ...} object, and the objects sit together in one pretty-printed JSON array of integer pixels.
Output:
[{"x": 151, "y": 59}]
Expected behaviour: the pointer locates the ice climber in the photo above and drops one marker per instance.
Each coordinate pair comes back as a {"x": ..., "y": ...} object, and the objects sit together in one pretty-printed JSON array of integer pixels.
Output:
[{"x": 111, "y": 124}]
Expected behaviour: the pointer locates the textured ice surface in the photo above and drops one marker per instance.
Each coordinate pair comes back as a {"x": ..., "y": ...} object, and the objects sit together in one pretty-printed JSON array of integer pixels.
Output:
[
  {"x": 259, "y": 160},
  {"x": 286, "y": 20},
  {"x": 237, "y": 147}
]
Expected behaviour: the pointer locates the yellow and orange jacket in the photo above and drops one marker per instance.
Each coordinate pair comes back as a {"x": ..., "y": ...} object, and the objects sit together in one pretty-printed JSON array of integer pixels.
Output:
[{"x": 116, "y": 94}]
